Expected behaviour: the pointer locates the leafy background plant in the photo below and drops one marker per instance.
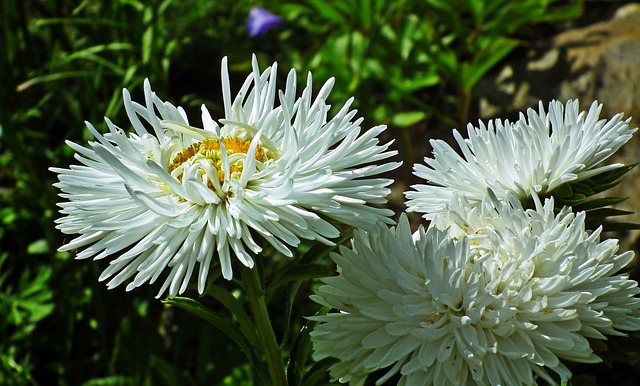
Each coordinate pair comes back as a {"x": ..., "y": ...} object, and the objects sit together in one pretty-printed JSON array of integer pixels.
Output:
[{"x": 411, "y": 64}]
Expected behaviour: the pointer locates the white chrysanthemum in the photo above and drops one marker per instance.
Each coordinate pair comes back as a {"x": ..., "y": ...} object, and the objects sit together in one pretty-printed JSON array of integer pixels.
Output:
[
  {"x": 174, "y": 197},
  {"x": 541, "y": 152},
  {"x": 497, "y": 308}
]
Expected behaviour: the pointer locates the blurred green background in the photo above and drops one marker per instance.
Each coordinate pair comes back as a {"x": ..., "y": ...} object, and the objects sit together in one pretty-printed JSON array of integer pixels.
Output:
[{"x": 411, "y": 64}]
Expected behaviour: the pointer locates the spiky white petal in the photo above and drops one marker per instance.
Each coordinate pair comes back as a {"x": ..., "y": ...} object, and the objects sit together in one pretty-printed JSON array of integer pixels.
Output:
[
  {"x": 540, "y": 151},
  {"x": 501, "y": 303},
  {"x": 173, "y": 197}
]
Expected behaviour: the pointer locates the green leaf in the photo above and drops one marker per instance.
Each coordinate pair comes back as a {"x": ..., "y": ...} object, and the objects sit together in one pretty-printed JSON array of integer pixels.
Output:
[
  {"x": 31, "y": 301},
  {"x": 573, "y": 200},
  {"x": 240, "y": 376},
  {"x": 407, "y": 36},
  {"x": 54, "y": 77},
  {"x": 299, "y": 354},
  {"x": 446, "y": 6},
  {"x": 609, "y": 226},
  {"x": 611, "y": 175},
  {"x": 222, "y": 324},
  {"x": 364, "y": 11},
  {"x": 563, "y": 191},
  {"x": 448, "y": 63},
  {"x": 608, "y": 212},
  {"x": 237, "y": 310},
  {"x": 419, "y": 82},
  {"x": 148, "y": 36},
  {"x": 318, "y": 372},
  {"x": 477, "y": 10},
  {"x": 602, "y": 187},
  {"x": 113, "y": 380},
  {"x": 170, "y": 374},
  {"x": 300, "y": 272},
  {"x": 408, "y": 118},
  {"x": 583, "y": 188},
  {"x": 599, "y": 217},
  {"x": 38, "y": 247},
  {"x": 319, "y": 250},
  {"x": 566, "y": 11},
  {"x": 598, "y": 203},
  {"x": 492, "y": 55},
  {"x": 329, "y": 13},
  {"x": 92, "y": 51}
]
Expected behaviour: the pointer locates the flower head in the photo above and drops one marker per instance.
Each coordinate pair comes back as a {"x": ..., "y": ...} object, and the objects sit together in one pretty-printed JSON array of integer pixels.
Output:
[
  {"x": 170, "y": 196},
  {"x": 260, "y": 21},
  {"x": 500, "y": 306},
  {"x": 540, "y": 153}
]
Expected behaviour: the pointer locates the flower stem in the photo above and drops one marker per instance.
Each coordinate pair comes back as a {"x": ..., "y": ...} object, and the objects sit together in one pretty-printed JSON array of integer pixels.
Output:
[{"x": 255, "y": 293}]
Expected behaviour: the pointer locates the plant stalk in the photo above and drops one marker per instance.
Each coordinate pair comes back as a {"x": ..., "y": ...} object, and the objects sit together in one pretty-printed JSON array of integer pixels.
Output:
[{"x": 255, "y": 293}]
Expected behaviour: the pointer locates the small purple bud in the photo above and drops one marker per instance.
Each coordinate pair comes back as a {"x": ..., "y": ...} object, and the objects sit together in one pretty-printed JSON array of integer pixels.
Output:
[{"x": 260, "y": 21}]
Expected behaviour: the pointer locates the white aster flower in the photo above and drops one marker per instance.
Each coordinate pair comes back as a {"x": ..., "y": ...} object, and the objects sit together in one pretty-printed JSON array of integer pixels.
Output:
[
  {"x": 499, "y": 307},
  {"x": 541, "y": 151},
  {"x": 175, "y": 197}
]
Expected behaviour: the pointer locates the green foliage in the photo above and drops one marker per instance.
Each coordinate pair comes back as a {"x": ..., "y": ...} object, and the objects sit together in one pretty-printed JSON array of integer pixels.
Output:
[
  {"x": 391, "y": 52},
  {"x": 226, "y": 325},
  {"x": 472, "y": 36},
  {"x": 29, "y": 302},
  {"x": 410, "y": 63},
  {"x": 376, "y": 50},
  {"x": 22, "y": 305},
  {"x": 577, "y": 194},
  {"x": 114, "y": 380}
]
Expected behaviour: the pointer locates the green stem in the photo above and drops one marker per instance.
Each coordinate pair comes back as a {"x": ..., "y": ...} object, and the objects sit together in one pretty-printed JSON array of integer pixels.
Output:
[
  {"x": 255, "y": 293},
  {"x": 465, "y": 103}
]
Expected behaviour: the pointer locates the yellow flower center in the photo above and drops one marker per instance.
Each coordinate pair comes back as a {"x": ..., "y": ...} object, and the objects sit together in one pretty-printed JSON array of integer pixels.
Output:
[{"x": 210, "y": 150}]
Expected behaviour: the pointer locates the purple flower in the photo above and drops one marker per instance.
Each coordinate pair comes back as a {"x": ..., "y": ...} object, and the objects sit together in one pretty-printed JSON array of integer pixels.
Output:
[{"x": 260, "y": 21}]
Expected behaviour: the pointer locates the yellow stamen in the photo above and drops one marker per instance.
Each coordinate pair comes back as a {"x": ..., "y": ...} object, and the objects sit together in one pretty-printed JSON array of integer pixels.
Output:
[{"x": 209, "y": 150}]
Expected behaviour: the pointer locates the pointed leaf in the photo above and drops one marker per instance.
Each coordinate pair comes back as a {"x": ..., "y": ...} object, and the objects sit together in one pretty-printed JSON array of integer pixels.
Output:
[
  {"x": 327, "y": 11},
  {"x": 318, "y": 372},
  {"x": 608, "y": 226},
  {"x": 573, "y": 200},
  {"x": 408, "y": 118},
  {"x": 582, "y": 187},
  {"x": 300, "y": 352},
  {"x": 608, "y": 176},
  {"x": 301, "y": 272},
  {"x": 607, "y": 212},
  {"x": 562, "y": 191},
  {"x": 170, "y": 374},
  {"x": 567, "y": 11},
  {"x": 319, "y": 250},
  {"x": 222, "y": 324},
  {"x": 599, "y": 203},
  {"x": 237, "y": 310},
  {"x": 299, "y": 355}
]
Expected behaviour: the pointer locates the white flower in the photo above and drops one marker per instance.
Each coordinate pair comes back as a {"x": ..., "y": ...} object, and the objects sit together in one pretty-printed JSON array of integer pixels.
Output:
[
  {"x": 175, "y": 197},
  {"x": 542, "y": 153},
  {"x": 499, "y": 307}
]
